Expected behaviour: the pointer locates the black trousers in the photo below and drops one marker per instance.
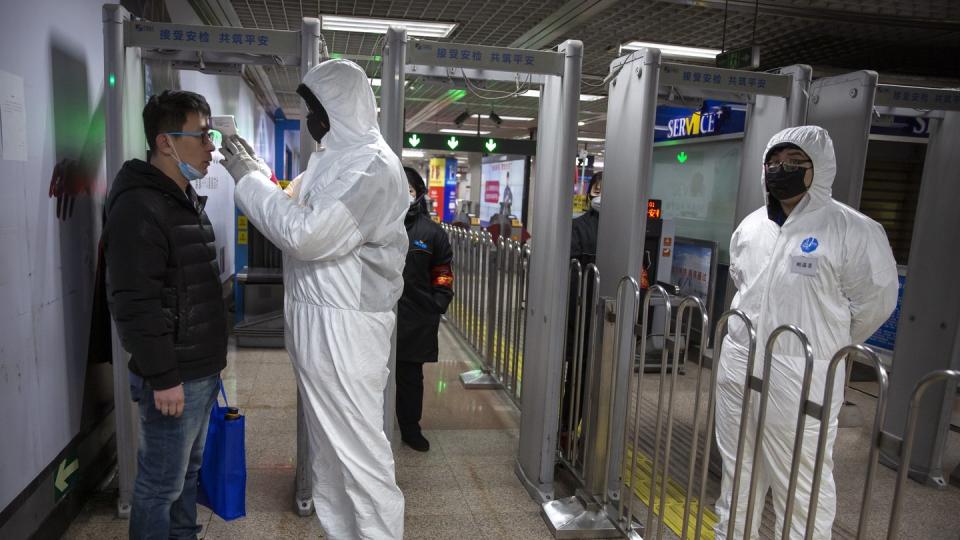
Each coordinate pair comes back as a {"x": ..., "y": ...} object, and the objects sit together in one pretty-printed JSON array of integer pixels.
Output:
[{"x": 409, "y": 396}]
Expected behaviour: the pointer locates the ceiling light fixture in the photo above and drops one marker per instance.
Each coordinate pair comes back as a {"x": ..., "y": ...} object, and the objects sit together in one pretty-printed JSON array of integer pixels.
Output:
[
  {"x": 511, "y": 118},
  {"x": 673, "y": 51},
  {"x": 464, "y": 131},
  {"x": 583, "y": 97},
  {"x": 431, "y": 29}
]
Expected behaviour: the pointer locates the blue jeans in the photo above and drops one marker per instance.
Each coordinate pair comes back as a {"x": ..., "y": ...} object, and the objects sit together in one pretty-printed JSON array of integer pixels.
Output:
[{"x": 168, "y": 462}]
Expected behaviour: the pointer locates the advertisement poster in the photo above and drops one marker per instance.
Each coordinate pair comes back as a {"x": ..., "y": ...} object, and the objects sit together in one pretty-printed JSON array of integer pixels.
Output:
[
  {"x": 691, "y": 269},
  {"x": 502, "y": 178},
  {"x": 435, "y": 184}
]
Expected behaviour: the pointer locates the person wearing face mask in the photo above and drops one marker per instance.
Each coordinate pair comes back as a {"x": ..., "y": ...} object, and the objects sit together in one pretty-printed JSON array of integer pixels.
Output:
[
  {"x": 427, "y": 291},
  {"x": 583, "y": 240},
  {"x": 343, "y": 242},
  {"x": 165, "y": 295},
  {"x": 810, "y": 261},
  {"x": 583, "y": 248}
]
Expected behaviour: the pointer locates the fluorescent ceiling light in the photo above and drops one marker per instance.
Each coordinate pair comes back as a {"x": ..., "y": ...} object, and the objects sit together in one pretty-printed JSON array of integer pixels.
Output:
[
  {"x": 369, "y": 25},
  {"x": 675, "y": 51},
  {"x": 463, "y": 131},
  {"x": 583, "y": 97},
  {"x": 514, "y": 118},
  {"x": 377, "y": 82},
  {"x": 581, "y": 124},
  {"x": 412, "y": 153},
  {"x": 590, "y": 139}
]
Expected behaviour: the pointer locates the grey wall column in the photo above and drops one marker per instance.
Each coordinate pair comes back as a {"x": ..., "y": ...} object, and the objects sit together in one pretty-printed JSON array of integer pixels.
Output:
[
  {"x": 115, "y": 64},
  {"x": 546, "y": 308},
  {"x": 765, "y": 117},
  {"x": 843, "y": 105},
  {"x": 476, "y": 173},
  {"x": 392, "y": 91},
  {"x": 391, "y": 127},
  {"x": 631, "y": 116},
  {"x": 309, "y": 57},
  {"x": 928, "y": 335}
]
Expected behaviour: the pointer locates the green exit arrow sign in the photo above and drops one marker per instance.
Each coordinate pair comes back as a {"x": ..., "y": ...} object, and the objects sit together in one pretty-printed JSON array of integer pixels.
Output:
[
  {"x": 682, "y": 157},
  {"x": 490, "y": 145},
  {"x": 743, "y": 58},
  {"x": 65, "y": 477},
  {"x": 453, "y": 143},
  {"x": 414, "y": 140}
]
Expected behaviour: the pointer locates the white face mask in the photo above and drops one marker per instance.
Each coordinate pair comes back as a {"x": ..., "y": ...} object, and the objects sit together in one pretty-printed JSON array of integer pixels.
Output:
[
  {"x": 595, "y": 203},
  {"x": 413, "y": 198}
]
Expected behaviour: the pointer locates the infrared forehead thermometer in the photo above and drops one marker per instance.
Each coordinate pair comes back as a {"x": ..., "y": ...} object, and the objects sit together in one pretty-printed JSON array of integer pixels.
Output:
[{"x": 226, "y": 125}]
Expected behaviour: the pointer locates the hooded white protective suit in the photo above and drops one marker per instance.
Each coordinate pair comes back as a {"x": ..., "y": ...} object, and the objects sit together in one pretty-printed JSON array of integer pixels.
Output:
[
  {"x": 344, "y": 245},
  {"x": 828, "y": 270}
]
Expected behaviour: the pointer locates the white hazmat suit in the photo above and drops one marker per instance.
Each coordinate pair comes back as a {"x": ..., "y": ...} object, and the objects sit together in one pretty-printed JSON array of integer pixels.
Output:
[
  {"x": 343, "y": 240},
  {"x": 828, "y": 270}
]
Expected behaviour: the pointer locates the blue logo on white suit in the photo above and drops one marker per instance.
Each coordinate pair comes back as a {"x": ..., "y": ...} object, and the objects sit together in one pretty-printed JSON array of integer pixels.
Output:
[{"x": 809, "y": 245}]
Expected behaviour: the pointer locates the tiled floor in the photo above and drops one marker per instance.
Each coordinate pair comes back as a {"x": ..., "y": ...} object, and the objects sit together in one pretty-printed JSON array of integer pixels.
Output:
[{"x": 463, "y": 488}]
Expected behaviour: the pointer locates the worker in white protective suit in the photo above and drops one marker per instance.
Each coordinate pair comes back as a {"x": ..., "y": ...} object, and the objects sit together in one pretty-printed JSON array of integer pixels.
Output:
[
  {"x": 344, "y": 244},
  {"x": 810, "y": 261}
]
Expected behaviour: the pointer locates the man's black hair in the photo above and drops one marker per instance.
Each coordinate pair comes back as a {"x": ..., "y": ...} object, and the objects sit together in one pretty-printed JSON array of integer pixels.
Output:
[{"x": 168, "y": 112}]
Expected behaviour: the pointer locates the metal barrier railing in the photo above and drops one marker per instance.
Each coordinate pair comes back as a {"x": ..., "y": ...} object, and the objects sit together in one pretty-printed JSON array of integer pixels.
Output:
[
  {"x": 946, "y": 375},
  {"x": 580, "y": 357},
  {"x": 489, "y": 305}
]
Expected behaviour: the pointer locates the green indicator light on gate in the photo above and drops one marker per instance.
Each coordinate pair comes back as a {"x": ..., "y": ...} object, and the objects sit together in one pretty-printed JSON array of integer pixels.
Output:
[
  {"x": 112, "y": 80},
  {"x": 682, "y": 157}
]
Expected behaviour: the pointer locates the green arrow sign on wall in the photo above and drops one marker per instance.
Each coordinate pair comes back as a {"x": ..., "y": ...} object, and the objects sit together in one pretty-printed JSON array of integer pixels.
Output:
[
  {"x": 490, "y": 145},
  {"x": 453, "y": 143},
  {"x": 414, "y": 140}
]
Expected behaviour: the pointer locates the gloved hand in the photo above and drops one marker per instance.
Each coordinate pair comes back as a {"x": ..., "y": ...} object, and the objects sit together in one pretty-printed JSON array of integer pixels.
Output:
[{"x": 241, "y": 160}]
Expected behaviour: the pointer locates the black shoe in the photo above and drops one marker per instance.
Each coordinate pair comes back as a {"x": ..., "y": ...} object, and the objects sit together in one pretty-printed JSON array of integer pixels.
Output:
[{"x": 416, "y": 441}]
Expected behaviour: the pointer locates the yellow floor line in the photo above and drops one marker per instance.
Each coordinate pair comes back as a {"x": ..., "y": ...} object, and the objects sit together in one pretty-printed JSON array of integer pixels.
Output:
[{"x": 673, "y": 508}]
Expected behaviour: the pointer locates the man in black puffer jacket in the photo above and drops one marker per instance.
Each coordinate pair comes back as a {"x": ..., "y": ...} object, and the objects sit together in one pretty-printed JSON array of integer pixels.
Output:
[
  {"x": 165, "y": 296},
  {"x": 427, "y": 291}
]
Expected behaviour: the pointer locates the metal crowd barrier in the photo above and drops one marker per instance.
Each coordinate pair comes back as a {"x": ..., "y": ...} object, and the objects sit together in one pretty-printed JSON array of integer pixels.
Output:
[
  {"x": 579, "y": 365},
  {"x": 620, "y": 503},
  {"x": 489, "y": 305},
  {"x": 945, "y": 376}
]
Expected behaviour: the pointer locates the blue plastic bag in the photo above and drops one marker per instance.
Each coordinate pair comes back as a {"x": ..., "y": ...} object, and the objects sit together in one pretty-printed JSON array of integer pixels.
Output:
[{"x": 223, "y": 474}]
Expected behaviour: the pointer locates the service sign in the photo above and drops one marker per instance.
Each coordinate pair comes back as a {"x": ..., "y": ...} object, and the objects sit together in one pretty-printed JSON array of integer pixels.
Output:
[
  {"x": 714, "y": 118},
  {"x": 436, "y": 53}
]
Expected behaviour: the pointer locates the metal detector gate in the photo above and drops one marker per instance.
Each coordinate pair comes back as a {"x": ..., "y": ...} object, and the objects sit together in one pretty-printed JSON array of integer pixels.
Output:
[
  {"x": 216, "y": 50},
  {"x": 777, "y": 100},
  {"x": 559, "y": 73},
  {"x": 928, "y": 332}
]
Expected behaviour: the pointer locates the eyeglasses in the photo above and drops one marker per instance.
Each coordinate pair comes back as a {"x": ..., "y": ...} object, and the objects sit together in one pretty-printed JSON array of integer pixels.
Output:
[
  {"x": 787, "y": 166},
  {"x": 205, "y": 136}
]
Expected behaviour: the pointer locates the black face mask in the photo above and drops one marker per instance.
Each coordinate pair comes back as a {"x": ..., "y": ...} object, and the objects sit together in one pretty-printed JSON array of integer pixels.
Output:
[
  {"x": 784, "y": 185},
  {"x": 318, "y": 123}
]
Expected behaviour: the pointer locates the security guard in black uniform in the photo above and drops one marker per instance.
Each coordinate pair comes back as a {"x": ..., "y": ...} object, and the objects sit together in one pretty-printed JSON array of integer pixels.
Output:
[{"x": 427, "y": 291}]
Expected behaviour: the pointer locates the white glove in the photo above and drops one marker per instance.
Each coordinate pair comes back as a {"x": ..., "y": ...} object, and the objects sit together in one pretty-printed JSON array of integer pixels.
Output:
[{"x": 241, "y": 160}]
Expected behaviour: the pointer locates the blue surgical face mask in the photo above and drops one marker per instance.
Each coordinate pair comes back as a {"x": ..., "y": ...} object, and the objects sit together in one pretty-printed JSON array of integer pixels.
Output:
[{"x": 187, "y": 170}]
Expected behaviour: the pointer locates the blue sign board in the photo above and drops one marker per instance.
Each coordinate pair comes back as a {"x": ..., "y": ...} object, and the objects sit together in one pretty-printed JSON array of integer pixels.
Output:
[
  {"x": 901, "y": 126},
  {"x": 450, "y": 190},
  {"x": 712, "y": 119},
  {"x": 886, "y": 337}
]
